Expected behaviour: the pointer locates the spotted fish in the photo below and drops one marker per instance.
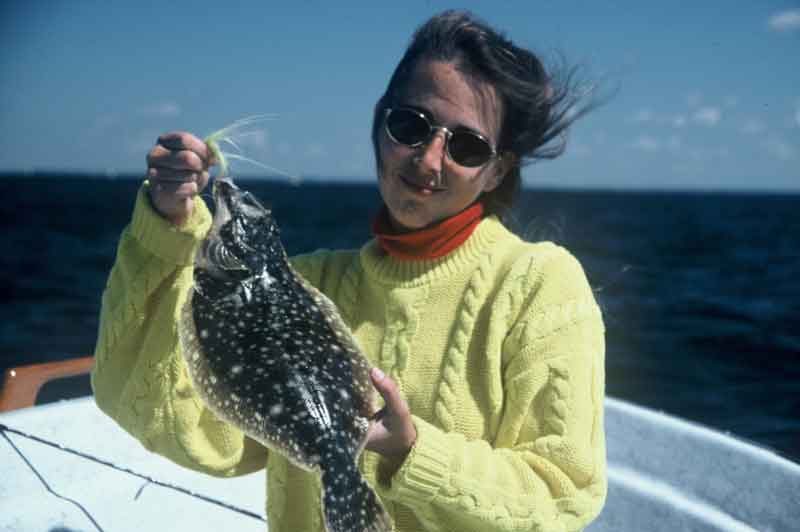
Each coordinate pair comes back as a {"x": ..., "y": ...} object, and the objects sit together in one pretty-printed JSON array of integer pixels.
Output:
[{"x": 270, "y": 354}]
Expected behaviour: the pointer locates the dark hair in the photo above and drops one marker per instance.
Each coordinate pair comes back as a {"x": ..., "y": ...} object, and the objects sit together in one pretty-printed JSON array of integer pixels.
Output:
[{"x": 537, "y": 107}]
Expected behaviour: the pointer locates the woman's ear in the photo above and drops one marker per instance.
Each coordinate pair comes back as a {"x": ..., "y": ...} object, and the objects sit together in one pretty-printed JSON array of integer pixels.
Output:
[{"x": 502, "y": 165}]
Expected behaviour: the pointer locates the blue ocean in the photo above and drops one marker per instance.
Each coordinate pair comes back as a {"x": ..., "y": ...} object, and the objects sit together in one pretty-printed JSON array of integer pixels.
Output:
[{"x": 700, "y": 291}]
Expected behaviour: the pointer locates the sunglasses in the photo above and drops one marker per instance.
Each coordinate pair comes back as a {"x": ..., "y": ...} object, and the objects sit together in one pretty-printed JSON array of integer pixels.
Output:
[{"x": 411, "y": 128}]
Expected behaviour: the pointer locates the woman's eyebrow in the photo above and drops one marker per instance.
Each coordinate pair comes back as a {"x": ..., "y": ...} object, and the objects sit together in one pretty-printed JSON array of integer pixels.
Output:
[
  {"x": 436, "y": 122},
  {"x": 427, "y": 112}
]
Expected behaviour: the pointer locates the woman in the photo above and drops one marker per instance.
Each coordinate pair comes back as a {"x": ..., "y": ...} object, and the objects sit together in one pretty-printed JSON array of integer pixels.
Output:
[{"x": 488, "y": 350}]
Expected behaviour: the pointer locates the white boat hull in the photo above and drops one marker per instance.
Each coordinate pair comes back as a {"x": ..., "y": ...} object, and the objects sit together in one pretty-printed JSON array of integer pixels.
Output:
[{"x": 664, "y": 474}]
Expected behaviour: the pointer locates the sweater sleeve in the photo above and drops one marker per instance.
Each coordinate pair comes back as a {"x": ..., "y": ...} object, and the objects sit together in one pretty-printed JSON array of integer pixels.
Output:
[
  {"x": 545, "y": 469},
  {"x": 140, "y": 378}
]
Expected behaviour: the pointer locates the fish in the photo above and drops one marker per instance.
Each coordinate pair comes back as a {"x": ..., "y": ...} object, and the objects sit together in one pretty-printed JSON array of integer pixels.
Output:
[{"x": 270, "y": 354}]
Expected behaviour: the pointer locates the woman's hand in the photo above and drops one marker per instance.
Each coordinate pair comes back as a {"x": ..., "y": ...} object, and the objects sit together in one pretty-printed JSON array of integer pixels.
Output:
[
  {"x": 393, "y": 434},
  {"x": 177, "y": 168}
]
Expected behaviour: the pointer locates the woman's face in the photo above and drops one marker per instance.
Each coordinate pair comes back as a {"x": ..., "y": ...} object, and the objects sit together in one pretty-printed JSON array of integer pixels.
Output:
[{"x": 441, "y": 92}]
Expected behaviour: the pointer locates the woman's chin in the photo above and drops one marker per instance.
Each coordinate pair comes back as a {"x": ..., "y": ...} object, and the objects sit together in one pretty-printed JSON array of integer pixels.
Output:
[
  {"x": 407, "y": 218},
  {"x": 406, "y": 224}
]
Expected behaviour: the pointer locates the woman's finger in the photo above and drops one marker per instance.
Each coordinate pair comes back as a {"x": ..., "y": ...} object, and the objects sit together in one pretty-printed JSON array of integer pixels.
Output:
[
  {"x": 181, "y": 140},
  {"x": 170, "y": 194},
  {"x": 176, "y": 176},
  {"x": 395, "y": 404},
  {"x": 176, "y": 160}
]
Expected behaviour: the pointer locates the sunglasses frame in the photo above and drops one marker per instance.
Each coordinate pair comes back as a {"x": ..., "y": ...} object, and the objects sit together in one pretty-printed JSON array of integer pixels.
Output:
[{"x": 433, "y": 129}]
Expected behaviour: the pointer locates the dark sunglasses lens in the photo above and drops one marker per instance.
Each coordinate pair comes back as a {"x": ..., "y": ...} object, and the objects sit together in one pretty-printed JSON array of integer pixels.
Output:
[
  {"x": 468, "y": 149},
  {"x": 407, "y": 127}
]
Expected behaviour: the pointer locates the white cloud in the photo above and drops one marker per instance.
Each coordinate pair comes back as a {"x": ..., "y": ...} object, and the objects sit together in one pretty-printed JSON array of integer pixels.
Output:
[
  {"x": 643, "y": 115},
  {"x": 647, "y": 116},
  {"x": 709, "y": 154},
  {"x": 694, "y": 98},
  {"x": 252, "y": 139},
  {"x": 646, "y": 143},
  {"x": 788, "y": 20},
  {"x": 674, "y": 143},
  {"x": 141, "y": 142},
  {"x": 316, "y": 149},
  {"x": 678, "y": 121},
  {"x": 780, "y": 149},
  {"x": 707, "y": 116},
  {"x": 599, "y": 138},
  {"x": 753, "y": 127},
  {"x": 103, "y": 122},
  {"x": 579, "y": 149},
  {"x": 161, "y": 109}
]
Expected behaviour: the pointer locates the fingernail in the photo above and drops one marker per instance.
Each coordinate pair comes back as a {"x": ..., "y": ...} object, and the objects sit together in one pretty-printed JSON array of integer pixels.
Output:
[{"x": 378, "y": 374}]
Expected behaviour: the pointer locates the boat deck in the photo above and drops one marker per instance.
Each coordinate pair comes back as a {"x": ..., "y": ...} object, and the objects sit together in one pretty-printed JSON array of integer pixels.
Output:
[{"x": 664, "y": 474}]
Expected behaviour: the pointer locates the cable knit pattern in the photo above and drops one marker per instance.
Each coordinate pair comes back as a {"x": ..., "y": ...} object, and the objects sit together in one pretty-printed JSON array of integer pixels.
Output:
[
  {"x": 402, "y": 317},
  {"x": 454, "y": 367},
  {"x": 349, "y": 290},
  {"x": 555, "y": 396},
  {"x": 552, "y": 319},
  {"x": 524, "y": 280},
  {"x": 497, "y": 347}
]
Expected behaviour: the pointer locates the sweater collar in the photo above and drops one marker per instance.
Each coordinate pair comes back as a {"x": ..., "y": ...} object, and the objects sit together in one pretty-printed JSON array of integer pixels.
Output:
[
  {"x": 429, "y": 243},
  {"x": 385, "y": 269}
]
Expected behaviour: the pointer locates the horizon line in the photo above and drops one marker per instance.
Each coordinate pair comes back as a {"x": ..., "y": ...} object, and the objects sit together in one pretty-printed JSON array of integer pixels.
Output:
[{"x": 368, "y": 181}]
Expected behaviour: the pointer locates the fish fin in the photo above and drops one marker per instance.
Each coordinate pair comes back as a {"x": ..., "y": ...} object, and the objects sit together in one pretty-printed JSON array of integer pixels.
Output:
[
  {"x": 349, "y": 504},
  {"x": 368, "y": 402}
]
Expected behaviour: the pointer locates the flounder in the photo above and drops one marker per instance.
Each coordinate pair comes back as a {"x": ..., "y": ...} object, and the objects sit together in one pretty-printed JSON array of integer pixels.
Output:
[{"x": 270, "y": 354}]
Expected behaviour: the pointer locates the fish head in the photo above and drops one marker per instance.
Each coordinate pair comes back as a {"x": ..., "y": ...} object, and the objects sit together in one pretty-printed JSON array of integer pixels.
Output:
[{"x": 243, "y": 239}]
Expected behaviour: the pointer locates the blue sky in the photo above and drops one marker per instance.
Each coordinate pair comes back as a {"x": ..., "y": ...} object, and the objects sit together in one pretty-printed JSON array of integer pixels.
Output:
[{"x": 707, "y": 96}]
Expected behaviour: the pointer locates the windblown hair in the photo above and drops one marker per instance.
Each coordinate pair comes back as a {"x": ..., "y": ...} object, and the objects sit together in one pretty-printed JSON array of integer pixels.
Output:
[{"x": 537, "y": 106}]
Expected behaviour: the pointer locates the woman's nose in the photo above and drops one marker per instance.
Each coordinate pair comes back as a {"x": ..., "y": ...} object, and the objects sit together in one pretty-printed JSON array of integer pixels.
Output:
[{"x": 433, "y": 152}]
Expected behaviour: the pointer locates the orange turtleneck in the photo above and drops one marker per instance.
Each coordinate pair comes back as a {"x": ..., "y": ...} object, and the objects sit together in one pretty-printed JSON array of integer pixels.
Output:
[{"x": 429, "y": 243}]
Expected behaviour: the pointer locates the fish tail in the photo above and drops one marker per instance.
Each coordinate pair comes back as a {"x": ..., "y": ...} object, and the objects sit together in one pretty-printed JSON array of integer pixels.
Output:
[{"x": 349, "y": 504}]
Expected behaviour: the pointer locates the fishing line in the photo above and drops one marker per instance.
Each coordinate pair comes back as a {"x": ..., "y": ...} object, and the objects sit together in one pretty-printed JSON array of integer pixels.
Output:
[
  {"x": 3, "y": 430},
  {"x": 150, "y": 480}
]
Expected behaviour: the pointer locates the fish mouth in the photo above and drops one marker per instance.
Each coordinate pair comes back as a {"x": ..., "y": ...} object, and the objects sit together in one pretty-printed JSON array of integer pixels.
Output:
[
  {"x": 223, "y": 192},
  {"x": 213, "y": 256},
  {"x": 231, "y": 205},
  {"x": 231, "y": 201},
  {"x": 226, "y": 193}
]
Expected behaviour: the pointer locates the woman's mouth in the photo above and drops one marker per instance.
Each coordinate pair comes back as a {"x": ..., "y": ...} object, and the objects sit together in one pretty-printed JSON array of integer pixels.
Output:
[{"x": 423, "y": 189}]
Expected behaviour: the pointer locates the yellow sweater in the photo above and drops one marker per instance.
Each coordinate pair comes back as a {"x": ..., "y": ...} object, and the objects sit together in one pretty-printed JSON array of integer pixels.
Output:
[{"x": 498, "y": 348}]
